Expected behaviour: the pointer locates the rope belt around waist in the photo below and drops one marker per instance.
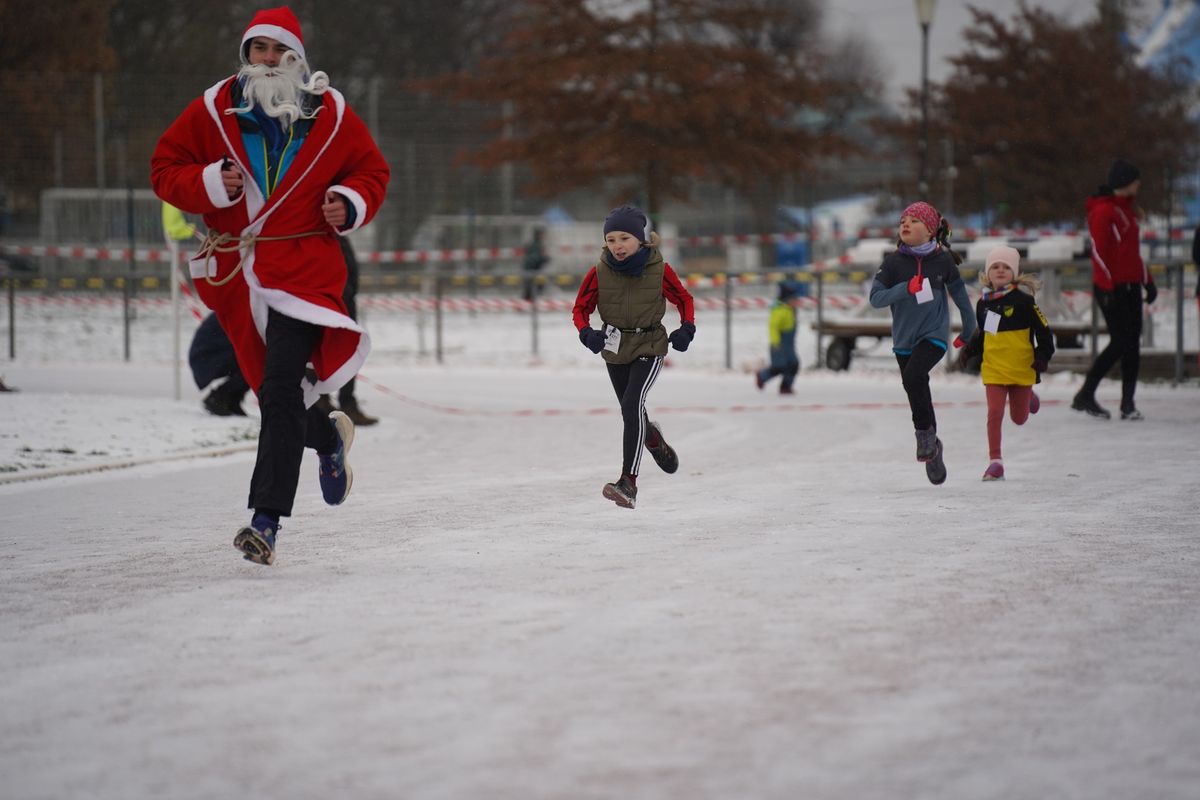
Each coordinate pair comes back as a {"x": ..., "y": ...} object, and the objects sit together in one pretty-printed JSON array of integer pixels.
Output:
[{"x": 227, "y": 243}]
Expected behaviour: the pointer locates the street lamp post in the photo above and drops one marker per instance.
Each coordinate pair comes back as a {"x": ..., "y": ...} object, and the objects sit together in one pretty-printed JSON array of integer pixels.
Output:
[{"x": 925, "y": 9}]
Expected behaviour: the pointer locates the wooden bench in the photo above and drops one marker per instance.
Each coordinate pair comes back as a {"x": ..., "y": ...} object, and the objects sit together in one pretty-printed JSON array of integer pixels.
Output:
[{"x": 1068, "y": 334}]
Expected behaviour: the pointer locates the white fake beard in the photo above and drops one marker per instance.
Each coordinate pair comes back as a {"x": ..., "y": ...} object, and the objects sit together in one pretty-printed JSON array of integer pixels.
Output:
[{"x": 279, "y": 91}]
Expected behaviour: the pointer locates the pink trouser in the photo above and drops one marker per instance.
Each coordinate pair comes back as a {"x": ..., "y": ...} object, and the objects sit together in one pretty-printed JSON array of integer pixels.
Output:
[{"x": 1018, "y": 409}]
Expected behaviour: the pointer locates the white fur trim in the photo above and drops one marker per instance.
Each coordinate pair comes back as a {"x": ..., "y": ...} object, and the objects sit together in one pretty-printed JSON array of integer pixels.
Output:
[
  {"x": 216, "y": 189},
  {"x": 347, "y": 371},
  {"x": 262, "y": 300},
  {"x": 276, "y": 32},
  {"x": 356, "y": 200},
  {"x": 202, "y": 267}
]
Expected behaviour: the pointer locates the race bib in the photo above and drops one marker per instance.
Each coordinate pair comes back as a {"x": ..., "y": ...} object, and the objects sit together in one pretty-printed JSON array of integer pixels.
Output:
[
  {"x": 612, "y": 340},
  {"x": 991, "y": 322},
  {"x": 926, "y": 293}
]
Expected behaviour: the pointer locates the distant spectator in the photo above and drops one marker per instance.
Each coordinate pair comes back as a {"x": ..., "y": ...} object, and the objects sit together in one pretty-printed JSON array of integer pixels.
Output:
[
  {"x": 1196, "y": 260},
  {"x": 176, "y": 225},
  {"x": 3, "y": 207},
  {"x": 781, "y": 337},
  {"x": 214, "y": 364},
  {"x": 535, "y": 259},
  {"x": 1118, "y": 278}
]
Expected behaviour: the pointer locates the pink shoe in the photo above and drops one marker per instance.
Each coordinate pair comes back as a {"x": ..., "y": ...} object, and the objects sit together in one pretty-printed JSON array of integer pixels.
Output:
[
  {"x": 1034, "y": 403},
  {"x": 994, "y": 472}
]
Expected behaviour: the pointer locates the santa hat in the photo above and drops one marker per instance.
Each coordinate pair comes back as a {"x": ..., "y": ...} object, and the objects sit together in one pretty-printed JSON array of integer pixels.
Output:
[
  {"x": 1004, "y": 255},
  {"x": 279, "y": 24}
]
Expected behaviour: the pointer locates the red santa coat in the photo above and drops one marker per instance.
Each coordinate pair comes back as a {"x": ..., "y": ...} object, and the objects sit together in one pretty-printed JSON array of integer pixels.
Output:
[{"x": 303, "y": 277}]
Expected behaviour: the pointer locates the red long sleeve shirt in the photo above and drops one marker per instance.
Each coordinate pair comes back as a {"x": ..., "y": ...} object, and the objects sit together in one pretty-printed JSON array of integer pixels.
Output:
[{"x": 589, "y": 291}]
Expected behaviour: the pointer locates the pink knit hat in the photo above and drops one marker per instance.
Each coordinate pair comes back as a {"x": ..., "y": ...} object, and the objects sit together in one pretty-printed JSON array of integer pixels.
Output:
[
  {"x": 1004, "y": 255},
  {"x": 926, "y": 213}
]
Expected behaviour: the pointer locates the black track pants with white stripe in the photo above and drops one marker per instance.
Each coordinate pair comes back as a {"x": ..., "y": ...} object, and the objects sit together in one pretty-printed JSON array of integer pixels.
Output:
[{"x": 632, "y": 383}]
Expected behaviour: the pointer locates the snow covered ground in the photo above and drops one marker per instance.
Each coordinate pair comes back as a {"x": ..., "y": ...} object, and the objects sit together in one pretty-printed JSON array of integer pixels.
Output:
[{"x": 796, "y": 613}]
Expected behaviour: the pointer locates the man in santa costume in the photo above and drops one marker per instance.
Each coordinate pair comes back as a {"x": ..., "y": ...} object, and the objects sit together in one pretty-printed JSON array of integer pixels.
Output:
[{"x": 279, "y": 166}]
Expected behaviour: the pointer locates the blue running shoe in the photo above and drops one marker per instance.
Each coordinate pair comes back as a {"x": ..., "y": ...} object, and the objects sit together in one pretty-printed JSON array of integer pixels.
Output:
[
  {"x": 335, "y": 473},
  {"x": 257, "y": 540}
]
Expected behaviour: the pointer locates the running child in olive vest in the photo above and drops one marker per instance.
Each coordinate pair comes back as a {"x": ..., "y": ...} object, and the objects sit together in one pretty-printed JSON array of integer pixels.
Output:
[
  {"x": 629, "y": 288},
  {"x": 1014, "y": 339},
  {"x": 913, "y": 282}
]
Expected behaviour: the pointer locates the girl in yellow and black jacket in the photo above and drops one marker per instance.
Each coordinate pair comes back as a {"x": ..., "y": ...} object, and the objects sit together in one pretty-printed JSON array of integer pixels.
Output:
[{"x": 1016, "y": 345}]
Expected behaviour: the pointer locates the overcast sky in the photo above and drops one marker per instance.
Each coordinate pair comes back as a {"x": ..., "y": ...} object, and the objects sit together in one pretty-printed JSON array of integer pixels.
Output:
[{"x": 892, "y": 29}]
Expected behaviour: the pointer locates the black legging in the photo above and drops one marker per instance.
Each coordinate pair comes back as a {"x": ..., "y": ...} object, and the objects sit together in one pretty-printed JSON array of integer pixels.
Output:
[
  {"x": 632, "y": 383},
  {"x": 1122, "y": 309},
  {"x": 914, "y": 371},
  {"x": 287, "y": 427}
]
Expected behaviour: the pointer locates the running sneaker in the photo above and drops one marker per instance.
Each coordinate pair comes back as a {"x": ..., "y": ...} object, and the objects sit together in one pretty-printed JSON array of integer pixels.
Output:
[
  {"x": 664, "y": 455},
  {"x": 334, "y": 471},
  {"x": 622, "y": 492},
  {"x": 257, "y": 540}
]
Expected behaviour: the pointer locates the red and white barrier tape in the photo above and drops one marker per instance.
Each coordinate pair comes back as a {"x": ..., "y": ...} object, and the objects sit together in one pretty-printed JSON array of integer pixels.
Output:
[
  {"x": 1075, "y": 301},
  {"x": 737, "y": 408}
]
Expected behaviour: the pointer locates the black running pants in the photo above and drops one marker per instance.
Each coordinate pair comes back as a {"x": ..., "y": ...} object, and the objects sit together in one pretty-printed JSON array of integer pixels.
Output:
[
  {"x": 914, "y": 372},
  {"x": 287, "y": 426},
  {"x": 632, "y": 383},
  {"x": 1122, "y": 310}
]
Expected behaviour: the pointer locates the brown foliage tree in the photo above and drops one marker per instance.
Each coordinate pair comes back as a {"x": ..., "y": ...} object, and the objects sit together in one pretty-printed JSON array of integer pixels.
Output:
[
  {"x": 1037, "y": 109},
  {"x": 658, "y": 96},
  {"x": 44, "y": 48}
]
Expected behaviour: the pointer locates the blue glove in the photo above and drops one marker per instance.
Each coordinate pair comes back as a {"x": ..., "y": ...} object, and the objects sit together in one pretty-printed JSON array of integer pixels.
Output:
[
  {"x": 592, "y": 339},
  {"x": 1151, "y": 293},
  {"x": 682, "y": 336}
]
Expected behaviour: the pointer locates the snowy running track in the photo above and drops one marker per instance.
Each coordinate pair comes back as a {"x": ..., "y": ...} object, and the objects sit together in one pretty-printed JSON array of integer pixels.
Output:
[{"x": 796, "y": 613}]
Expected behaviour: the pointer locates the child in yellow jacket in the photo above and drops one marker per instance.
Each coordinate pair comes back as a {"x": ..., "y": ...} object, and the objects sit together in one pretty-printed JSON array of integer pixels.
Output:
[
  {"x": 1016, "y": 344},
  {"x": 781, "y": 333}
]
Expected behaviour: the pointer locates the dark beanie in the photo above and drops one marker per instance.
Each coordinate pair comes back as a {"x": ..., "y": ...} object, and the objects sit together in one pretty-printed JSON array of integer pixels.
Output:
[
  {"x": 787, "y": 290},
  {"x": 629, "y": 219},
  {"x": 1122, "y": 173}
]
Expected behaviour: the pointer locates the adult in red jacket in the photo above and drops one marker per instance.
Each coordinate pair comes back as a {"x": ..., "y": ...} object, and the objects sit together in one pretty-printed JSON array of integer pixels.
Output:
[
  {"x": 1118, "y": 276},
  {"x": 279, "y": 166}
]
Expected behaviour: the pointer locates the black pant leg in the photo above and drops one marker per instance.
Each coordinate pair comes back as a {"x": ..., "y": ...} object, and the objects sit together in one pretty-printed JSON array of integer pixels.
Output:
[
  {"x": 789, "y": 374},
  {"x": 1122, "y": 311},
  {"x": 284, "y": 430},
  {"x": 632, "y": 382},
  {"x": 914, "y": 372}
]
